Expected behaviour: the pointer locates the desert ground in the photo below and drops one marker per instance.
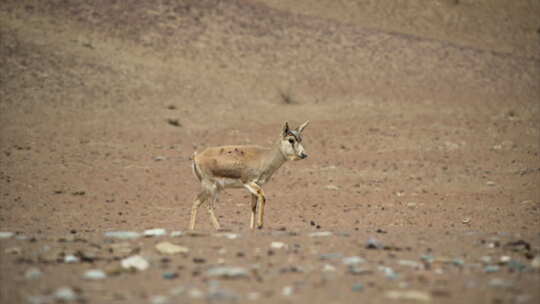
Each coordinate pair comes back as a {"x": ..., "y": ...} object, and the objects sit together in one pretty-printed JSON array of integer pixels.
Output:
[{"x": 421, "y": 185}]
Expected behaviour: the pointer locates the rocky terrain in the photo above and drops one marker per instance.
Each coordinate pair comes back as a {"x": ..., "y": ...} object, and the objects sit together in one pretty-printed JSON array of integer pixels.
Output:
[{"x": 424, "y": 142}]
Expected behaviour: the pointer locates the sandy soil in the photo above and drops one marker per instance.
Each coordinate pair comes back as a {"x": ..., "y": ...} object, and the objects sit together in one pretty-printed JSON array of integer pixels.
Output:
[{"x": 424, "y": 136}]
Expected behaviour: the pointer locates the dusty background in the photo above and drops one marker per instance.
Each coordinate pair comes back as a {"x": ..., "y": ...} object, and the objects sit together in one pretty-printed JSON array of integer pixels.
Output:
[{"x": 424, "y": 135}]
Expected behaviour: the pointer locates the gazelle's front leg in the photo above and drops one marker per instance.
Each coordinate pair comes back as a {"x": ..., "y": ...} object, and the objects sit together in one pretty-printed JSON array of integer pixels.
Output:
[
  {"x": 253, "y": 210},
  {"x": 261, "y": 201}
]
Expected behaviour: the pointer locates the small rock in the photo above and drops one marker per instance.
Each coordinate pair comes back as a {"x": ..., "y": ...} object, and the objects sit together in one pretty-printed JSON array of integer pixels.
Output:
[
  {"x": 414, "y": 295},
  {"x": 440, "y": 293},
  {"x": 160, "y": 158},
  {"x": 6, "y": 234},
  {"x": 320, "y": 234},
  {"x": 373, "y": 244},
  {"x": 499, "y": 283},
  {"x": 21, "y": 237},
  {"x": 458, "y": 262},
  {"x": 196, "y": 234},
  {"x": 227, "y": 272},
  {"x": 287, "y": 291},
  {"x": 278, "y": 245},
  {"x": 535, "y": 263},
  {"x": 516, "y": 266},
  {"x": 490, "y": 183},
  {"x": 124, "y": 235},
  {"x": 136, "y": 262},
  {"x": 428, "y": 258},
  {"x": 353, "y": 260},
  {"x": 155, "y": 232},
  {"x": 388, "y": 272},
  {"x": 230, "y": 236},
  {"x": 169, "y": 275},
  {"x": 65, "y": 294},
  {"x": 177, "y": 233},
  {"x": 71, "y": 259},
  {"x": 174, "y": 122},
  {"x": 13, "y": 250},
  {"x": 169, "y": 248},
  {"x": 505, "y": 259},
  {"x": 492, "y": 268},
  {"x": 331, "y": 187},
  {"x": 519, "y": 245},
  {"x": 357, "y": 287},
  {"x": 217, "y": 294},
  {"x": 330, "y": 256},
  {"x": 114, "y": 269},
  {"x": 122, "y": 249},
  {"x": 95, "y": 274},
  {"x": 357, "y": 270},
  {"x": 410, "y": 263},
  {"x": 195, "y": 293},
  {"x": 328, "y": 268},
  {"x": 466, "y": 220},
  {"x": 253, "y": 296},
  {"x": 33, "y": 273},
  {"x": 159, "y": 299},
  {"x": 177, "y": 291},
  {"x": 486, "y": 259}
]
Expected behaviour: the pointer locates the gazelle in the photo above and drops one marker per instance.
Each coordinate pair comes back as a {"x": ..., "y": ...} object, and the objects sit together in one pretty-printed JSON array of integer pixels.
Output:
[{"x": 246, "y": 167}]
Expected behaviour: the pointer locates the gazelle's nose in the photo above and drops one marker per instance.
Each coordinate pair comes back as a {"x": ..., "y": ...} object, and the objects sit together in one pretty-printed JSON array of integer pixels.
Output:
[{"x": 303, "y": 155}]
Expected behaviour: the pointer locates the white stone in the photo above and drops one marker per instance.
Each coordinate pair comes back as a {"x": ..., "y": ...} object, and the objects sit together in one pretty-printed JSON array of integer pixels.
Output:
[
  {"x": 33, "y": 273},
  {"x": 155, "y": 232},
  {"x": 230, "y": 236},
  {"x": 353, "y": 260},
  {"x": 124, "y": 235},
  {"x": 6, "y": 235},
  {"x": 320, "y": 233},
  {"x": 169, "y": 248},
  {"x": 328, "y": 268},
  {"x": 287, "y": 291},
  {"x": 414, "y": 295},
  {"x": 71, "y": 259},
  {"x": 177, "y": 233},
  {"x": 95, "y": 274},
  {"x": 227, "y": 272},
  {"x": 195, "y": 293},
  {"x": 135, "y": 262},
  {"x": 278, "y": 245},
  {"x": 65, "y": 294}
]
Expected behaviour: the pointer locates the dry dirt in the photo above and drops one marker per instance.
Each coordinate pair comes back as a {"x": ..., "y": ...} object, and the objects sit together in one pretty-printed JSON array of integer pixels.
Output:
[{"x": 424, "y": 136}]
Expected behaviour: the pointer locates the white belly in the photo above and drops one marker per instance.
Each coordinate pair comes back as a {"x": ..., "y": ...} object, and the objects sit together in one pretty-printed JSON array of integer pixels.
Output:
[{"x": 229, "y": 183}]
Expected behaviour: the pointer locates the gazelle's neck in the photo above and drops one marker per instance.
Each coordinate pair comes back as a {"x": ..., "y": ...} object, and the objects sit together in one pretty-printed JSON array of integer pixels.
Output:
[{"x": 274, "y": 158}]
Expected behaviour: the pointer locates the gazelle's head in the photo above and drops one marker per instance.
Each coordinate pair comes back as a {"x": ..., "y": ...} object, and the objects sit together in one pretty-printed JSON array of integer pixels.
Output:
[{"x": 291, "y": 142}]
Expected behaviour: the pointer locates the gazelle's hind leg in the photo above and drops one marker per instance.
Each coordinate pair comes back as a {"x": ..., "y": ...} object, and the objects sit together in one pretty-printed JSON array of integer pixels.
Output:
[
  {"x": 253, "y": 210},
  {"x": 201, "y": 198},
  {"x": 211, "y": 207}
]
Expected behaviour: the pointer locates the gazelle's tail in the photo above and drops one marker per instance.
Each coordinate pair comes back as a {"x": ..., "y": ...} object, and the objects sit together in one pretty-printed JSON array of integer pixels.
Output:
[{"x": 195, "y": 167}]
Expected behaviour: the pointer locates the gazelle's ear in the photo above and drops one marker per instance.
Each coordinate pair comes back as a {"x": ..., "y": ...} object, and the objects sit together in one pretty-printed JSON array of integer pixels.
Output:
[
  {"x": 286, "y": 129},
  {"x": 303, "y": 126}
]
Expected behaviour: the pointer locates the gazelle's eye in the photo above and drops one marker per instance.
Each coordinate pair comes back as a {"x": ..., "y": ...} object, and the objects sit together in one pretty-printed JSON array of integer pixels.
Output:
[{"x": 291, "y": 141}]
